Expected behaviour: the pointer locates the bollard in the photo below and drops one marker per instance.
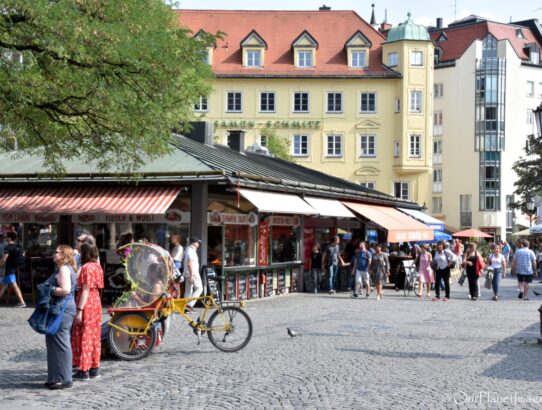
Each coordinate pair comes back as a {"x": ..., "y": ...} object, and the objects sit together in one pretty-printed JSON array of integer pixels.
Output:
[{"x": 540, "y": 338}]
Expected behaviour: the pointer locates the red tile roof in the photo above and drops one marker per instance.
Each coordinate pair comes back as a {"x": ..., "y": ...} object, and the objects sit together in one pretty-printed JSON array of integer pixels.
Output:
[
  {"x": 331, "y": 29},
  {"x": 460, "y": 38}
]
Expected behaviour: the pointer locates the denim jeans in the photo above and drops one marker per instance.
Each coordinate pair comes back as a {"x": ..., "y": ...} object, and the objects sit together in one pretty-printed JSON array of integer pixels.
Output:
[
  {"x": 332, "y": 271},
  {"x": 497, "y": 274}
]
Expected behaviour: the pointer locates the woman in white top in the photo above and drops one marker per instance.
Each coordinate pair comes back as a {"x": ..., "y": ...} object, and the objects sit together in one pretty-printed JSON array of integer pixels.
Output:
[
  {"x": 177, "y": 251},
  {"x": 498, "y": 262}
]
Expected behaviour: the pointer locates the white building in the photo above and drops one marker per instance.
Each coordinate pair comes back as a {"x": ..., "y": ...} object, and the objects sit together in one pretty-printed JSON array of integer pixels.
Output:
[{"x": 488, "y": 79}]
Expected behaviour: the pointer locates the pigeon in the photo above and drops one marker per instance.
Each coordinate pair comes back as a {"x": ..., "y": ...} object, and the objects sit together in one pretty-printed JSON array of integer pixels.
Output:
[{"x": 292, "y": 333}]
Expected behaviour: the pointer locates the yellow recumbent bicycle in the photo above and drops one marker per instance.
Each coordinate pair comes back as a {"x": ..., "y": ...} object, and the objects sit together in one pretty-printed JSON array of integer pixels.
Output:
[{"x": 140, "y": 319}]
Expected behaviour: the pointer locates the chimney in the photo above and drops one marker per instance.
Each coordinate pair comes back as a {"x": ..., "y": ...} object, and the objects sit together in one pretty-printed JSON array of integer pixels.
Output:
[
  {"x": 323, "y": 7},
  {"x": 202, "y": 131},
  {"x": 439, "y": 22},
  {"x": 236, "y": 140}
]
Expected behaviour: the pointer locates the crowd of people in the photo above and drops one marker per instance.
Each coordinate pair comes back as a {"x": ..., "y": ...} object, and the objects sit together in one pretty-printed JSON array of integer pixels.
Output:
[{"x": 368, "y": 266}]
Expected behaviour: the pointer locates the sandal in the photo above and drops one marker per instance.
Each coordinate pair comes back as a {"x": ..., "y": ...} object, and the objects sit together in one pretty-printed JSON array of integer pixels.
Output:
[{"x": 419, "y": 295}]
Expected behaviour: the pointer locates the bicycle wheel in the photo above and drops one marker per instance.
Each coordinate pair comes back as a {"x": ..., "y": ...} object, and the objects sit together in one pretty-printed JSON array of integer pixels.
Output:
[
  {"x": 407, "y": 287},
  {"x": 130, "y": 347},
  {"x": 230, "y": 330}
]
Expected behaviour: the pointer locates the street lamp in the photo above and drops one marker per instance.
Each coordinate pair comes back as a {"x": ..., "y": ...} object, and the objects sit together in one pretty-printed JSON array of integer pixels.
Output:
[{"x": 530, "y": 207}]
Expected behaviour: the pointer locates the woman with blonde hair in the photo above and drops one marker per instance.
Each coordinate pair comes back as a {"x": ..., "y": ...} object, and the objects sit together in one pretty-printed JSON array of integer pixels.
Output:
[{"x": 59, "y": 352}]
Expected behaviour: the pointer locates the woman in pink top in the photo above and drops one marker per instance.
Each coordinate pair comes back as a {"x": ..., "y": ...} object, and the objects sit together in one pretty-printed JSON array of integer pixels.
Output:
[{"x": 425, "y": 273}]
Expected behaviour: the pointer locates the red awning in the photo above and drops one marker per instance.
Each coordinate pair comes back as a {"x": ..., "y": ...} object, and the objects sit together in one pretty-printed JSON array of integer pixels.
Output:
[
  {"x": 81, "y": 200},
  {"x": 400, "y": 227}
]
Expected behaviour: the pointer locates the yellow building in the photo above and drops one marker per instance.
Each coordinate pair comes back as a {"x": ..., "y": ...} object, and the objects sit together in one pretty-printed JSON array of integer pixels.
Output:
[{"x": 349, "y": 101}]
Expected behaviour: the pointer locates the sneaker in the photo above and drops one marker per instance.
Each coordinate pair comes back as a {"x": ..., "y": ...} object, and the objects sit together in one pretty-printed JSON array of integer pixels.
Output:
[
  {"x": 520, "y": 296},
  {"x": 21, "y": 305},
  {"x": 355, "y": 295},
  {"x": 435, "y": 299},
  {"x": 81, "y": 376},
  {"x": 94, "y": 373},
  {"x": 495, "y": 298},
  {"x": 314, "y": 291},
  {"x": 445, "y": 300}
]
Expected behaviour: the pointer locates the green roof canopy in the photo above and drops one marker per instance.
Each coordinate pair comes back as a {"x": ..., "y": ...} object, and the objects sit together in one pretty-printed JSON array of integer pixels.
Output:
[{"x": 408, "y": 31}]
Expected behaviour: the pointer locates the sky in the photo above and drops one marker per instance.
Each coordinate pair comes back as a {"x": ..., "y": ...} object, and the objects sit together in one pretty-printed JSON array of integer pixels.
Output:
[{"x": 423, "y": 11}]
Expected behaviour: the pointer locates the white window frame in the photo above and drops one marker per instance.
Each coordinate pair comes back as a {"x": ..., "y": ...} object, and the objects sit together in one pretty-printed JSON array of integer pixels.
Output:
[
  {"x": 252, "y": 61},
  {"x": 308, "y": 102},
  {"x": 305, "y": 62},
  {"x": 300, "y": 145},
  {"x": 437, "y": 180},
  {"x": 274, "y": 101},
  {"x": 202, "y": 102},
  {"x": 263, "y": 140},
  {"x": 415, "y": 146},
  {"x": 437, "y": 123},
  {"x": 368, "y": 184},
  {"x": 416, "y": 98},
  {"x": 240, "y": 101},
  {"x": 358, "y": 55},
  {"x": 438, "y": 90},
  {"x": 369, "y": 140},
  {"x": 328, "y": 110},
  {"x": 436, "y": 204},
  {"x": 416, "y": 58},
  {"x": 530, "y": 88},
  {"x": 437, "y": 151},
  {"x": 367, "y": 93},
  {"x": 336, "y": 138},
  {"x": 393, "y": 59},
  {"x": 403, "y": 186}
]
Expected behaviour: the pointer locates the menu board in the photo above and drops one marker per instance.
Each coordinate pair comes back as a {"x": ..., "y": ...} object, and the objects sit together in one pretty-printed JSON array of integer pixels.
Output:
[
  {"x": 263, "y": 243},
  {"x": 269, "y": 284},
  {"x": 242, "y": 286},
  {"x": 282, "y": 281},
  {"x": 231, "y": 287},
  {"x": 114, "y": 283},
  {"x": 252, "y": 285}
]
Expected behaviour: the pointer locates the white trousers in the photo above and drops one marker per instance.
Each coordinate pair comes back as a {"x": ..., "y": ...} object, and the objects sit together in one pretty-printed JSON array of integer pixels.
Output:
[{"x": 193, "y": 290}]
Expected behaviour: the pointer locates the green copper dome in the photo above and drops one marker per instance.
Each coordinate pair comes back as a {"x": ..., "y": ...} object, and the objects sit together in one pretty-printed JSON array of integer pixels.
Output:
[{"x": 408, "y": 31}]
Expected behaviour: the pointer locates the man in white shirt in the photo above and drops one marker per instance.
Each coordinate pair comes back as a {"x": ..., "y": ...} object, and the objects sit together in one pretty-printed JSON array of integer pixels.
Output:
[{"x": 193, "y": 283}]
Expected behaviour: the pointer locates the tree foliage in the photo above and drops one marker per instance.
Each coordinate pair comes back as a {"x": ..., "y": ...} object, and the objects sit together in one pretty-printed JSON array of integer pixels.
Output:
[
  {"x": 100, "y": 81},
  {"x": 529, "y": 172},
  {"x": 277, "y": 145}
]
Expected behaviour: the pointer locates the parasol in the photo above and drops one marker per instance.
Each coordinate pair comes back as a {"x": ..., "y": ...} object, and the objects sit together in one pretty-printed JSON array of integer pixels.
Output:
[{"x": 471, "y": 233}]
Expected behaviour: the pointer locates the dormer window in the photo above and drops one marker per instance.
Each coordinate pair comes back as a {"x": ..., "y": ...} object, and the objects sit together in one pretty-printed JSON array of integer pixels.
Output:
[
  {"x": 253, "y": 47},
  {"x": 442, "y": 37},
  {"x": 206, "y": 52},
  {"x": 357, "y": 49},
  {"x": 519, "y": 34},
  {"x": 305, "y": 47},
  {"x": 533, "y": 52}
]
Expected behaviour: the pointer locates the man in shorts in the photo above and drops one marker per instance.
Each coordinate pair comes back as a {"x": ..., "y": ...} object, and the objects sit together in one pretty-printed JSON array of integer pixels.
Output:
[
  {"x": 362, "y": 261},
  {"x": 10, "y": 259},
  {"x": 523, "y": 265}
]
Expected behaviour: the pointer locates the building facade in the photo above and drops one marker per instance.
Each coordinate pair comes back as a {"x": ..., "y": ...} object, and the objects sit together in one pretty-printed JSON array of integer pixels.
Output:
[
  {"x": 488, "y": 79},
  {"x": 347, "y": 100}
]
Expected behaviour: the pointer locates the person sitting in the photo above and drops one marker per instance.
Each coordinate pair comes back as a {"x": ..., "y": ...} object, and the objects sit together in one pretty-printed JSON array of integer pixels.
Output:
[{"x": 156, "y": 276}]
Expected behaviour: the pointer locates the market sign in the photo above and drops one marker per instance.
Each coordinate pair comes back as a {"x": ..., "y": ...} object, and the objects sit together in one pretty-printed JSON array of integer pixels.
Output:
[
  {"x": 171, "y": 217},
  {"x": 263, "y": 243},
  {"x": 278, "y": 220},
  {"x": 267, "y": 124},
  {"x": 220, "y": 218},
  {"x": 42, "y": 219}
]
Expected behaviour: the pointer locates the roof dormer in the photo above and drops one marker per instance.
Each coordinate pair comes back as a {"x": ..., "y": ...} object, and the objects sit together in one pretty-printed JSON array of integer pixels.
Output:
[
  {"x": 305, "y": 47},
  {"x": 253, "y": 47},
  {"x": 357, "y": 49},
  {"x": 207, "y": 56},
  {"x": 533, "y": 52}
]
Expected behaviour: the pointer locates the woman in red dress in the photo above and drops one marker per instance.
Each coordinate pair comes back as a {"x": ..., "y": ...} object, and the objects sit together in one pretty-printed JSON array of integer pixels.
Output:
[{"x": 86, "y": 343}]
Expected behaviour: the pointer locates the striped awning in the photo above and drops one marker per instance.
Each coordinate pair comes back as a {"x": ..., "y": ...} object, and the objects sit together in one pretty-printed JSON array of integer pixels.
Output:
[{"x": 82, "y": 200}]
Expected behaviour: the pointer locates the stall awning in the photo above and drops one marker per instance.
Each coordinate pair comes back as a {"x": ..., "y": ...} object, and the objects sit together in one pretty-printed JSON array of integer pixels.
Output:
[
  {"x": 86, "y": 200},
  {"x": 278, "y": 203},
  {"x": 400, "y": 227},
  {"x": 431, "y": 222},
  {"x": 329, "y": 207}
]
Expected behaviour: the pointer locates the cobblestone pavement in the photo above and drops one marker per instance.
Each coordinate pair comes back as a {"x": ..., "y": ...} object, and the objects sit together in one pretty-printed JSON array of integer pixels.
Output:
[{"x": 399, "y": 352}]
